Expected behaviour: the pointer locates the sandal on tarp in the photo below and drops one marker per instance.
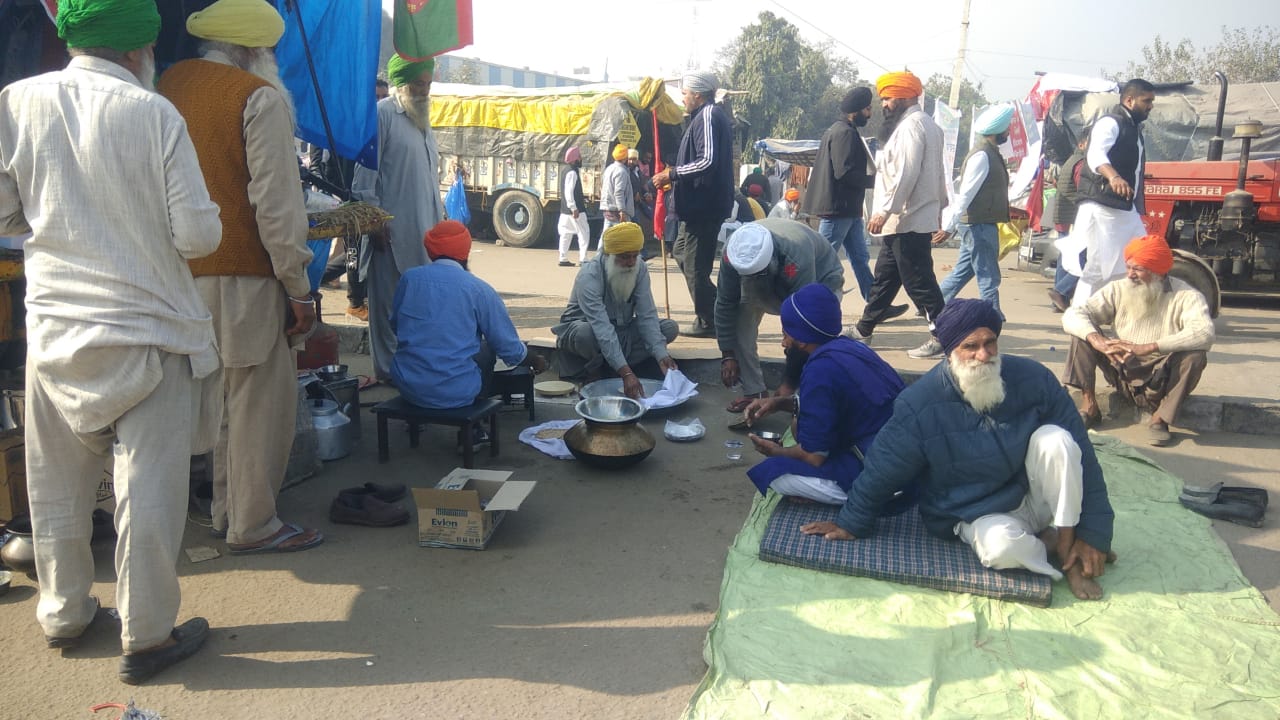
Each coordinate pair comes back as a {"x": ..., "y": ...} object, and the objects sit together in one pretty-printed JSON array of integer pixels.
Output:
[
  {"x": 741, "y": 403},
  {"x": 1240, "y": 505},
  {"x": 276, "y": 544}
]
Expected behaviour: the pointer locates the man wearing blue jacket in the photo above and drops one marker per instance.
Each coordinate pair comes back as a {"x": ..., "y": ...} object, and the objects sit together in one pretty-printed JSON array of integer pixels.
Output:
[{"x": 1000, "y": 455}]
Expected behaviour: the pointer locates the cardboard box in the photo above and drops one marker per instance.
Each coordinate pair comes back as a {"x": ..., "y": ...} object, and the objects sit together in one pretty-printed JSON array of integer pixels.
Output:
[
  {"x": 13, "y": 473},
  {"x": 466, "y": 506}
]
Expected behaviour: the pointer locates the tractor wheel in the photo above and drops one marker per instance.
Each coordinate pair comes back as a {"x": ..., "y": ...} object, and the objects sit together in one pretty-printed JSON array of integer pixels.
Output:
[
  {"x": 1195, "y": 272},
  {"x": 517, "y": 218}
]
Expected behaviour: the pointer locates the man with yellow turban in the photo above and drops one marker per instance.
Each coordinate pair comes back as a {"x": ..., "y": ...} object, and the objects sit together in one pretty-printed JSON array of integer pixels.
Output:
[
  {"x": 241, "y": 121},
  {"x": 1162, "y": 336},
  {"x": 121, "y": 359},
  {"x": 611, "y": 317},
  {"x": 406, "y": 185},
  {"x": 617, "y": 199},
  {"x": 906, "y": 209},
  {"x": 450, "y": 326}
]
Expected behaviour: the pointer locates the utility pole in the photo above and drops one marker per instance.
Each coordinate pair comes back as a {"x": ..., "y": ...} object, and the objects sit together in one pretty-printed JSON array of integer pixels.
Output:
[{"x": 956, "y": 73}]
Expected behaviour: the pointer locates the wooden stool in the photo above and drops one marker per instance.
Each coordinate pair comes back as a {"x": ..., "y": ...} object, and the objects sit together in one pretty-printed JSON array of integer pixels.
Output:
[
  {"x": 517, "y": 380},
  {"x": 464, "y": 418}
]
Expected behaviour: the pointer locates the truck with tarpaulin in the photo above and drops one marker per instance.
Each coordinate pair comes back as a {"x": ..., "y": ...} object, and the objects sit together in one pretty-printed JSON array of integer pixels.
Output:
[{"x": 509, "y": 144}]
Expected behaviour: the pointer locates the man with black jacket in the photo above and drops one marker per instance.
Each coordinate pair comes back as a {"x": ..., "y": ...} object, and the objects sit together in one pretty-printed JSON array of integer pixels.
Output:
[
  {"x": 1110, "y": 188},
  {"x": 703, "y": 184}
]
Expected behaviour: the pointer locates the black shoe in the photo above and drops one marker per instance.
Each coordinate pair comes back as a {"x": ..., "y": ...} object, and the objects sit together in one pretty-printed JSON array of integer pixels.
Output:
[
  {"x": 386, "y": 493},
  {"x": 895, "y": 311},
  {"x": 698, "y": 329},
  {"x": 1060, "y": 301},
  {"x": 137, "y": 668},
  {"x": 566, "y": 263},
  {"x": 366, "y": 510}
]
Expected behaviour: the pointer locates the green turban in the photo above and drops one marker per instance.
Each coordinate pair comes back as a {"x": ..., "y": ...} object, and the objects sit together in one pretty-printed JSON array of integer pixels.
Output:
[
  {"x": 121, "y": 25},
  {"x": 402, "y": 72}
]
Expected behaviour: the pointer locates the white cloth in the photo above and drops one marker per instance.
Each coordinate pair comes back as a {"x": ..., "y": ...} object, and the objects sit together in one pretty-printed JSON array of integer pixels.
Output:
[
  {"x": 116, "y": 208},
  {"x": 1069, "y": 249},
  {"x": 1056, "y": 488},
  {"x": 676, "y": 388},
  {"x": 616, "y": 194},
  {"x": 973, "y": 175},
  {"x": 812, "y": 488},
  {"x": 911, "y": 184},
  {"x": 570, "y": 227},
  {"x": 1105, "y": 231},
  {"x": 554, "y": 446}
]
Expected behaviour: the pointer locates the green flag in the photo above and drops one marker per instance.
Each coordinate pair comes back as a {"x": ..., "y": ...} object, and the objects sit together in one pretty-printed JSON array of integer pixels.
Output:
[{"x": 426, "y": 28}]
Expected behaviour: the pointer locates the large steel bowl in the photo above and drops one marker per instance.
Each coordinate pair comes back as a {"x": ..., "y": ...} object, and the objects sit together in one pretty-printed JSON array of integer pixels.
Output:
[
  {"x": 609, "y": 446},
  {"x": 609, "y": 410}
]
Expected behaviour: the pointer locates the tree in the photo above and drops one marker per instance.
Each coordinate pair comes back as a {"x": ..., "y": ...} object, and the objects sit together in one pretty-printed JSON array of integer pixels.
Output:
[
  {"x": 463, "y": 71},
  {"x": 938, "y": 89},
  {"x": 784, "y": 85},
  {"x": 1244, "y": 55}
]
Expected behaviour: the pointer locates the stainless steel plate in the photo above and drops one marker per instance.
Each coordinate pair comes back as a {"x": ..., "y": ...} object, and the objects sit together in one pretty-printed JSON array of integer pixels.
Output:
[{"x": 613, "y": 387}]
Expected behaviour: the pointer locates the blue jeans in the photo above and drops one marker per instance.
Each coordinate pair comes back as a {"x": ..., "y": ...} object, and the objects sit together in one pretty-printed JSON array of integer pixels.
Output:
[
  {"x": 979, "y": 257},
  {"x": 1063, "y": 281},
  {"x": 848, "y": 232}
]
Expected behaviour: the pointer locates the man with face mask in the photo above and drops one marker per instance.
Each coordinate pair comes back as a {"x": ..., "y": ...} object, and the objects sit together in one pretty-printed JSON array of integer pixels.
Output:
[
  {"x": 1111, "y": 187},
  {"x": 980, "y": 203},
  {"x": 844, "y": 396}
]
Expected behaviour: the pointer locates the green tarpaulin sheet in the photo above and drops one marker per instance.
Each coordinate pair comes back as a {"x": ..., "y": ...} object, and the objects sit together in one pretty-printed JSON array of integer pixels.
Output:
[{"x": 1180, "y": 634}]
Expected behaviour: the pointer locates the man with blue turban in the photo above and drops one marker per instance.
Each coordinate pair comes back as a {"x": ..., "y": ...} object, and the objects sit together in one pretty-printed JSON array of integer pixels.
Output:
[
  {"x": 844, "y": 396},
  {"x": 1000, "y": 456},
  {"x": 981, "y": 202}
]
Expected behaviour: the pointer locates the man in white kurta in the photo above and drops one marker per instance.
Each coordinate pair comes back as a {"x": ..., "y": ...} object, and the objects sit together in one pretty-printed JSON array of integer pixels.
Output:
[
  {"x": 120, "y": 345},
  {"x": 406, "y": 185}
]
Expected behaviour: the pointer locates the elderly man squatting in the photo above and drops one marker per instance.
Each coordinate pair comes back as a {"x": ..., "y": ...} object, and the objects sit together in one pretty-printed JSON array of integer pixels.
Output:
[
  {"x": 844, "y": 396},
  {"x": 611, "y": 317},
  {"x": 121, "y": 357},
  {"x": 1001, "y": 457},
  {"x": 1163, "y": 334},
  {"x": 241, "y": 121}
]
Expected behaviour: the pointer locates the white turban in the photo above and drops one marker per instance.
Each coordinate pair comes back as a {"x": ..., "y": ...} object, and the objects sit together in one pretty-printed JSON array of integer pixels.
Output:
[
  {"x": 750, "y": 248},
  {"x": 994, "y": 120},
  {"x": 700, "y": 82}
]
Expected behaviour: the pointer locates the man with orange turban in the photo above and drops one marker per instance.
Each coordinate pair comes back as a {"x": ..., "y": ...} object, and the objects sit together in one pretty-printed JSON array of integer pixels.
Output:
[
  {"x": 450, "y": 325},
  {"x": 910, "y": 192},
  {"x": 789, "y": 208},
  {"x": 1163, "y": 332},
  {"x": 617, "y": 199}
]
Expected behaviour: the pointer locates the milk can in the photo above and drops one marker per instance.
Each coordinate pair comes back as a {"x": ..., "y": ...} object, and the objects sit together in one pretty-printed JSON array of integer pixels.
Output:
[{"x": 333, "y": 429}]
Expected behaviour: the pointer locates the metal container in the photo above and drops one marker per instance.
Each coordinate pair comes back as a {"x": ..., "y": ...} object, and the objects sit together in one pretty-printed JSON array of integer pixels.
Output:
[
  {"x": 19, "y": 552},
  {"x": 333, "y": 429},
  {"x": 609, "y": 436}
]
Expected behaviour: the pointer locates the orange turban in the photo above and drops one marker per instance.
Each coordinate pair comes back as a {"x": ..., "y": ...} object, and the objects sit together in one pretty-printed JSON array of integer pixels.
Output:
[
  {"x": 792, "y": 194},
  {"x": 899, "y": 85},
  {"x": 620, "y": 152},
  {"x": 449, "y": 239},
  {"x": 1151, "y": 252}
]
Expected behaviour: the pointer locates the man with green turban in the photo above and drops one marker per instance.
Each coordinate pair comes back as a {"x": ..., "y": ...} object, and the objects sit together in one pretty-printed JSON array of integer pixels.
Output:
[
  {"x": 406, "y": 185},
  {"x": 121, "y": 358}
]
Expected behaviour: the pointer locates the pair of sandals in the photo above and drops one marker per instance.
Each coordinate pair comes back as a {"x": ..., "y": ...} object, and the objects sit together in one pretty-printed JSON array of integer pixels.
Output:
[{"x": 1240, "y": 505}]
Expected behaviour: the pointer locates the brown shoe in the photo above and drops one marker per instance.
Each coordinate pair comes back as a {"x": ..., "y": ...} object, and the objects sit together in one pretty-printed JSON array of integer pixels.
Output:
[
  {"x": 1060, "y": 301},
  {"x": 360, "y": 313},
  {"x": 1158, "y": 434},
  {"x": 359, "y": 509}
]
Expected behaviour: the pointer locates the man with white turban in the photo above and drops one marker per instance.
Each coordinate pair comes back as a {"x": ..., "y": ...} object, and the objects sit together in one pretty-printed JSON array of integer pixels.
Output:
[
  {"x": 241, "y": 122},
  {"x": 121, "y": 359},
  {"x": 703, "y": 183},
  {"x": 980, "y": 203},
  {"x": 573, "y": 209}
]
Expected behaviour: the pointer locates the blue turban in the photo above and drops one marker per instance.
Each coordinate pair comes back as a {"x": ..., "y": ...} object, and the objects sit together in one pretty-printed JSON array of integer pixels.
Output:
[
  {"x": 960, "y": 318},
  {"x": 994, "y": 120},
  {"x": 812, "y": 314}
]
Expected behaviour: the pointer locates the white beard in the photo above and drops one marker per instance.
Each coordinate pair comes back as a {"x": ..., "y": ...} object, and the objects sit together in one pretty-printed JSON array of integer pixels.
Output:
[
  {"x": 147, "y": 73},
  {"x": 1141, "y": 297},
  {"x": 622, "y": 280},
  {"x": 417, "y": 107},
  {"x": 262, "y": 62},
  {"x": 980, "y": 383}
]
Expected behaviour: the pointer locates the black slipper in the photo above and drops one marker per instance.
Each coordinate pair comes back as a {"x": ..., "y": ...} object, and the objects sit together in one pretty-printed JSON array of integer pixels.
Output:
[
  {"x": 385, "y": 493},
  {"x": 1226, "y": 493},
  {"x": 1240, "y": 505},
  {"x": 137, "y": 668}
]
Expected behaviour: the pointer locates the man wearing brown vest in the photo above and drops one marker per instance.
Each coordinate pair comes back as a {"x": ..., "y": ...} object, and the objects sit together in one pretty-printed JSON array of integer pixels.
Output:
[{"x": 241, "y": 121}]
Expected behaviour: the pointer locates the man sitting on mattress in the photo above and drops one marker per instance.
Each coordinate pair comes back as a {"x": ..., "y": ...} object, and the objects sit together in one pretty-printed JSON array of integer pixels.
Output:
[
  {"x": 845, "y": 396},
  {"x": 999, "y": 454}
]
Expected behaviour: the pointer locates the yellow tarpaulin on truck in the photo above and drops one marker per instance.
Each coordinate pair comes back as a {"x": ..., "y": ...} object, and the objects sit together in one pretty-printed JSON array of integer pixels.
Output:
[{"x": 553, "y": 111}]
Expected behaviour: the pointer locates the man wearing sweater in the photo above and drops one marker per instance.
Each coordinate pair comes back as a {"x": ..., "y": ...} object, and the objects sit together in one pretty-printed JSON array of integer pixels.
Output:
[{"x": 1163, "y": 332}]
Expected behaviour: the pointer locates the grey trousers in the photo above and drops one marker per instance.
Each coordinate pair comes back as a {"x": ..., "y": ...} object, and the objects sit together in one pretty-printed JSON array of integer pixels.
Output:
[
  {"x": 1159, "y": 385},
  {"x": 747, "y": 351},
  {"x": 152, "y": 444},
  {"x": 580, "y": 351},
  {"x": 380, "y": 284}
]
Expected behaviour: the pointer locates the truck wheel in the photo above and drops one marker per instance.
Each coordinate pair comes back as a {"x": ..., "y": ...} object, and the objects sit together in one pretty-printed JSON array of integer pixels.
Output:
[
  {"x": 1196, "y": 273},
  {"x": 517, "y": 218}
]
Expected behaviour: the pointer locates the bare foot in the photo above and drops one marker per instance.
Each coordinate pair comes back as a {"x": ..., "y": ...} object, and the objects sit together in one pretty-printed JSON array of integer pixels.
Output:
[{"x": 1083, "y": 587}]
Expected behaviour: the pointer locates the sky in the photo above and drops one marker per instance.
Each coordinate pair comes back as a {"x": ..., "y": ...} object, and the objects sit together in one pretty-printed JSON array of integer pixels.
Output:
[{"x": 1008, "y": 40}]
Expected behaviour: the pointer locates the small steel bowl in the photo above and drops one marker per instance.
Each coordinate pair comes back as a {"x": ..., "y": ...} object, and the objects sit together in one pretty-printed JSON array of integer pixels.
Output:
[
  {"x": 609, "y": 410},
  {"x": 770, "y": 436},
  {"x": 330, "y": 373}
]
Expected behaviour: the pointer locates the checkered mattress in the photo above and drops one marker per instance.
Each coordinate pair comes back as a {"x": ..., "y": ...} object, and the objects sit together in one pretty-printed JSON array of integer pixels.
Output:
[{"x": 900, "y": 551}]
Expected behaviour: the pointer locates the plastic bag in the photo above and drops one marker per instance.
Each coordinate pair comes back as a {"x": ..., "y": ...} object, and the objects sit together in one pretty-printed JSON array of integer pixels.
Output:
[
  {"x": 455, "y": 201},
  {"x": 1010, "y": 237}
]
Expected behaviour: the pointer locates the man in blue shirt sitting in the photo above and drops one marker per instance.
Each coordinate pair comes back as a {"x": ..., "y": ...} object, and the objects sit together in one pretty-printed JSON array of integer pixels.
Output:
[{"x": 450, "y": 325}]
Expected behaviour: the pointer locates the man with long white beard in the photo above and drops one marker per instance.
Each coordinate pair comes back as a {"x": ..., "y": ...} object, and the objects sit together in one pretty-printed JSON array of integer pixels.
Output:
[
  {"x": 1163, "y": 334},
  {"x": 241, "y": 122},
  {"x": 999, "y": 455},
  {"x": 611, "y": 317},
  {"x": 406, "y": 185}
]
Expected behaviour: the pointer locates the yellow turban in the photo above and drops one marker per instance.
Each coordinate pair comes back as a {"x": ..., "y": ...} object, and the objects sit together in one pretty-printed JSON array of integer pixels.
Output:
[
  {"x": 247, "y": 23},
  {"x": 899, "y": 85},
  {"x": 623, "y": 238},
  {"x": 620, "y": 152}
]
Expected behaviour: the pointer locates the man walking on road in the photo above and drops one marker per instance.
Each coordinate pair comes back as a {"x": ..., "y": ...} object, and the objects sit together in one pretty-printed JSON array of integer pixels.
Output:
[
  {"x": 703, "y": 184},
  {"x": 617, "y": 200},
  {"x": 910, "y": 191},
  {"x": 573, "y": 210}
]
